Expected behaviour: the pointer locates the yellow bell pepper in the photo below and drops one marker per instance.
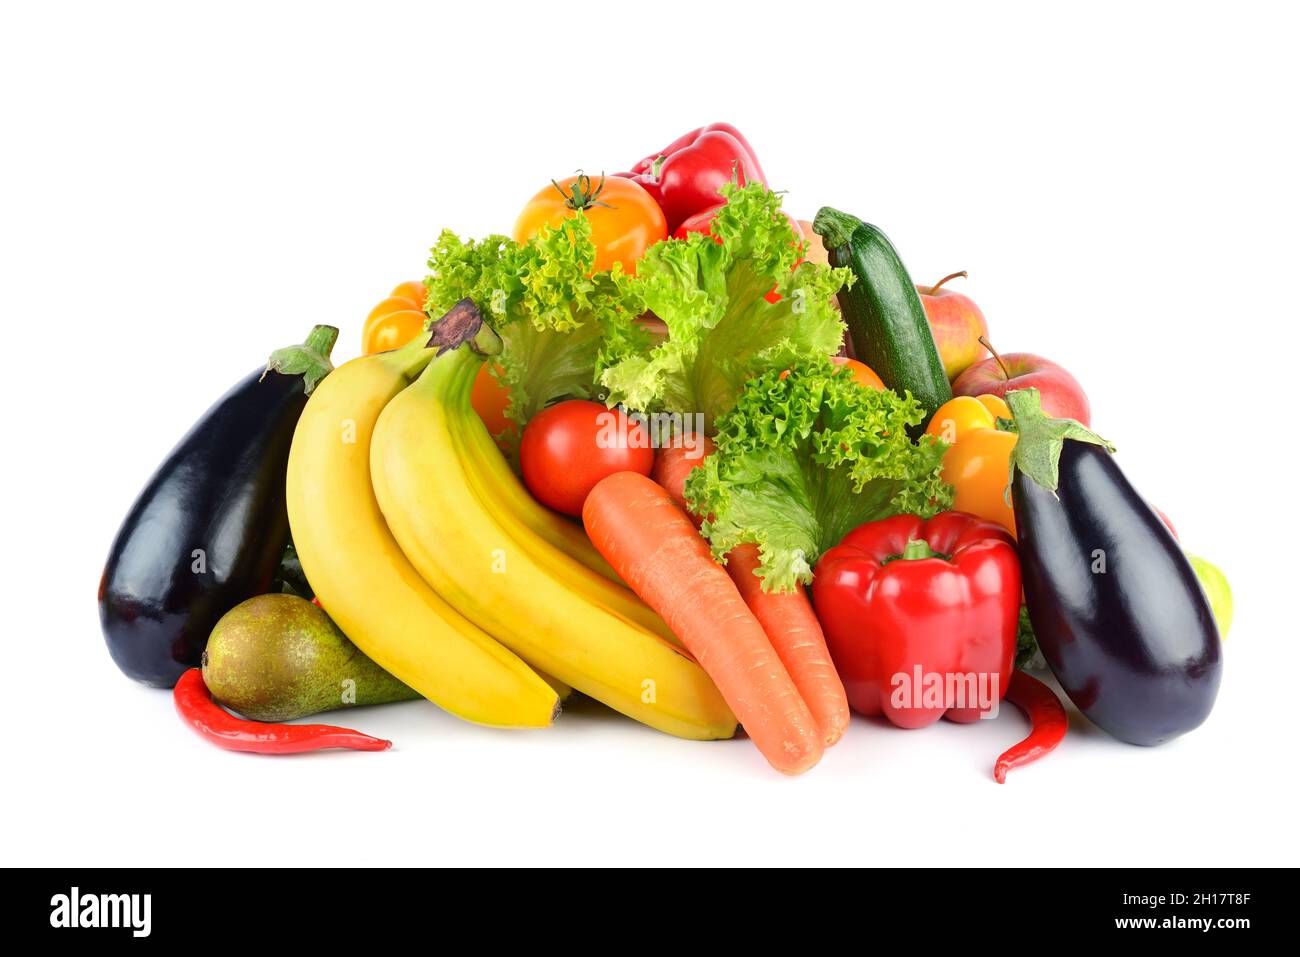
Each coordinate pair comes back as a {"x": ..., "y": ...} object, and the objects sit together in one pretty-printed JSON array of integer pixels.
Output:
[{"x": 978, "y": 461}]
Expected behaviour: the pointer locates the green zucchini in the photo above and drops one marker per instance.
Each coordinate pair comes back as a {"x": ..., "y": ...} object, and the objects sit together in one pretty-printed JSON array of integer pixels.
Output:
[{"x": 887, "y": 324}]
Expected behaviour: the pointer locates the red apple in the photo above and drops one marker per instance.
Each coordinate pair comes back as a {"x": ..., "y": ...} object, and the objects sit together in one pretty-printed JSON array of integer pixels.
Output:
[
  {"x": 1061, "y": 394},
  {"x": 1165, "y": 518},
  {"x": 957, "y": 325}
]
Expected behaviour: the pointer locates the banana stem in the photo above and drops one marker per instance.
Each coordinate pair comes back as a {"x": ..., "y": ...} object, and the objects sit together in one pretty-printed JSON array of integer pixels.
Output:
[
  {"x": 464, "y": 323},
  {"x": 452, "y": 374}
]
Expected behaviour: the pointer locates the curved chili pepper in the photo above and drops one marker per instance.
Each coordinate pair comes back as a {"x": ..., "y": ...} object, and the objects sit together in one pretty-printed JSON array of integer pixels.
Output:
[
  {"x": 195, "y": 706},
  {"x": 1047, "y": 723}
]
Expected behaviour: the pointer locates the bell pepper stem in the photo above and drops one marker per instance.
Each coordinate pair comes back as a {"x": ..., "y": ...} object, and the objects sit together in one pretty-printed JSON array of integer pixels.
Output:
[{"x": 917, "y": 548}]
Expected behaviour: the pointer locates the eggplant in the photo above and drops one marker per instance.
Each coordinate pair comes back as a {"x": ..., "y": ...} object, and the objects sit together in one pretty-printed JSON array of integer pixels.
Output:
[
  {"x": 1117, "y": 608},
  {"x": 209, "y": 528}
]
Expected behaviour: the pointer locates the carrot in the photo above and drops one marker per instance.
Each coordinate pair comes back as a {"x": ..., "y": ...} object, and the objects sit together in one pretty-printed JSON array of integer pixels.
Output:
[
  {"x": 796, "y": 634},
  {"x": 673, "y": 464},
  {"x": 651, "y": 543},
  {"x": 788, "y": 619}
]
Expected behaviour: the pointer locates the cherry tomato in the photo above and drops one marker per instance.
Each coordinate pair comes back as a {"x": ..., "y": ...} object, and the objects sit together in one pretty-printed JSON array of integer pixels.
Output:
[
  {"x": 388, "y": 330},
  {"x": 400, "y": 318},
  {"x": 625, "y": 219},
  {"x": 490, "y": 398},
  {"x": 863, "y": 374},
  {"x": 381, "y": 332},
  {"x": 567, "y": 448},
  {"x": 413, "y": 290}
]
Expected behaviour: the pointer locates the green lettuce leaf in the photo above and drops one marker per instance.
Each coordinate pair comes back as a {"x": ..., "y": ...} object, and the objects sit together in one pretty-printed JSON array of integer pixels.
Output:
[
  {"x": 721, "y": 329},
  {"x": 1028, "y": 654},
  {"x": 803, "y": 459},
  {"x": 560, "y": 325}
]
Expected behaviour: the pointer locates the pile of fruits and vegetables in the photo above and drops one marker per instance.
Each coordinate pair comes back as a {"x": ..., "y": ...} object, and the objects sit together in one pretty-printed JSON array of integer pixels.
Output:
[{"x": 725, "y": 471}]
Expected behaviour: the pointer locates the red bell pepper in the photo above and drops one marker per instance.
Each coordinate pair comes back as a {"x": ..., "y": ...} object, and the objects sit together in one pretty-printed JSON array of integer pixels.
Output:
[
  {"x": 686, "y": 175},
  {"x": 920, "y": 616}
]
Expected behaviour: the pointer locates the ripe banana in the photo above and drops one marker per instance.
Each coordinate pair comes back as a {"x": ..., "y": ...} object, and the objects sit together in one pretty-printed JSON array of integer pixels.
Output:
[
  {"x": 551, "y": 539},
  {"x": 453, "y": 538},
  {"x": 551, "y": 527},
  {"x": 361, "y": 576}
]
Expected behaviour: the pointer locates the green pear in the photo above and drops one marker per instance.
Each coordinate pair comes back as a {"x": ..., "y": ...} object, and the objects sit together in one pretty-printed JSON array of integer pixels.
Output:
[
  {"x": 1217, "y": 590},
  {"x": 276, "y": 657}
]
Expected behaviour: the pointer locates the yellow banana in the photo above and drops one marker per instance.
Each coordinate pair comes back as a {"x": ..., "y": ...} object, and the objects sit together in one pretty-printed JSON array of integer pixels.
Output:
[
  {"x": 550, "y": 538},
  {"x": 551, "y": 527},
  {"x": 361, "y": 576},
  {"x": 451, "y": 536}
]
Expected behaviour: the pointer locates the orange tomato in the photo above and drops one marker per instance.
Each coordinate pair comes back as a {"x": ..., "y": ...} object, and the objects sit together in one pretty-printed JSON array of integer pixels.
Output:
[
  {"x": 390, "y": 329},
  {"x": 400, "y": 318},
  {"x": 977, "y": 463},
  {"x": 413, "y": 290},
  {"x": 390, "y": 324},
  {"x": 625, "y": 219},
  {"x": 862, "y": 373}
]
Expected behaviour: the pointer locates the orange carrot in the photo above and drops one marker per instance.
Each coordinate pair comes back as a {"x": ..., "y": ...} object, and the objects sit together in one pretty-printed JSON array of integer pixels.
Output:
[
  {"x": 788, "y": 618},
  {"x": 673, "y": 464},
  {"x": 651, "y": 543},
  {"x": 796, "y": 634}
]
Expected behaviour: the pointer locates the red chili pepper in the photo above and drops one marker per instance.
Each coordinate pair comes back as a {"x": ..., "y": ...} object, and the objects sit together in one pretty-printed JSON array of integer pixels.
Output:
[
  {"x": 686, "y": 175},
  {"x": 920, "y": 616},
  {"x": 1047, "y": 723},
  {"x": 195, "y": 706}
]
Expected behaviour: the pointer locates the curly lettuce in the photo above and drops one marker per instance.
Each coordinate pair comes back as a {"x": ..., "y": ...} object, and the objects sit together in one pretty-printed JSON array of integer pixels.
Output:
[
  {"x": 560, "y": 322},
  {"x": 711, "y": 293},
  {"x": 805, "y": 457}
]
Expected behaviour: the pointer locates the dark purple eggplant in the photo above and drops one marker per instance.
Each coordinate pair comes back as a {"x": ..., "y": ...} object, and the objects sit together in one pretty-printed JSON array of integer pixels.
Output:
[
  {"x": 210, "y": 527},
  {"x": 1115, "y": 604}
]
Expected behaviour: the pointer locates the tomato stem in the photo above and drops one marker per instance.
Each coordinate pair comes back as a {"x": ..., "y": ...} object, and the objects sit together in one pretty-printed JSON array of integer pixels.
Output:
[
  {"x": 580, "y": 195},
  {"x": 952, "y": 275}
]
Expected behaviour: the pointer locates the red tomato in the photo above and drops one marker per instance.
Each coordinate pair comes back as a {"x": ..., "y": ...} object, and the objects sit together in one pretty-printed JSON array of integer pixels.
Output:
[{"x": 567, "y": 448}]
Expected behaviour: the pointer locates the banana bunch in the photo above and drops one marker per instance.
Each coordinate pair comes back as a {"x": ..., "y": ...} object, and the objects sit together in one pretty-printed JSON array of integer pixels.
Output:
[{"x": 424, "y": 547}]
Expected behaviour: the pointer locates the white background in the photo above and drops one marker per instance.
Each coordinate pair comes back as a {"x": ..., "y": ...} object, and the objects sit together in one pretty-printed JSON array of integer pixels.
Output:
[{"x": 186, "y": 188}]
